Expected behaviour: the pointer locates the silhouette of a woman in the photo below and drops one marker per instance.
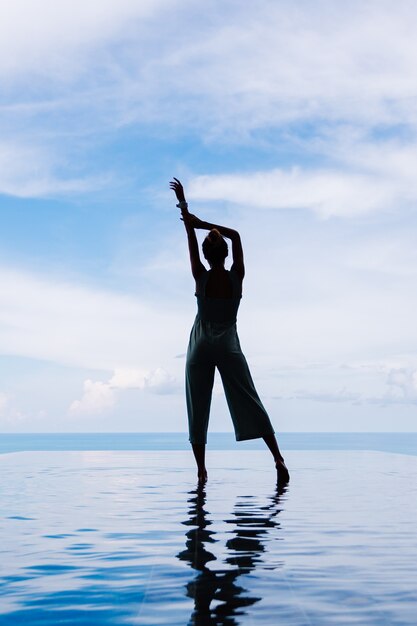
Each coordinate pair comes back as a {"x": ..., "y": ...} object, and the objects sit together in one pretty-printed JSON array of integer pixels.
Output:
[{"x": 214, "y": 342}]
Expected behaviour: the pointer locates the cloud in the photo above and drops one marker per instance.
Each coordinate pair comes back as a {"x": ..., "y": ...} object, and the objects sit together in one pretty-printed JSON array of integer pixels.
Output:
[
  {"x": 404, "y": 380},
  {"x": 10, "y": 415},
  {"x": 101, "y": 396},
  {"x": 97, "y": 397},
  {"x": 161, "y": 382},
  {"x": 365, "y": 177},
  {"x": 3, "y": 402},
  {"x": 402, "y": 390},
  {"x": 129, "y": 379},
  {"x": 157, "y": 380},
  {"x": 325, "y": 192},
  {"x": 61, "y": 89},
  {"x": 101, "y": 66},
  {"x": 249, "y": 69},
  {"x": 36, "y": 35},
  {"x": 30, "y": 171},
  {"x": 72, "y": 324},
  {"x": 342, "y": 395},
  {"x": 387, "y": 254}
]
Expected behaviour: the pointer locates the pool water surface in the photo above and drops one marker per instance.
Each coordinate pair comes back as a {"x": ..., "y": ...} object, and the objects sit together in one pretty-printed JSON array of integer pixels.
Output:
[{"x": 128, "y": 538}]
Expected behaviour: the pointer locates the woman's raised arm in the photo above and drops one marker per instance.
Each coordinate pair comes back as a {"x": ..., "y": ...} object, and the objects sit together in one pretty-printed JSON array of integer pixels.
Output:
[{"x": 189, "y": 222}]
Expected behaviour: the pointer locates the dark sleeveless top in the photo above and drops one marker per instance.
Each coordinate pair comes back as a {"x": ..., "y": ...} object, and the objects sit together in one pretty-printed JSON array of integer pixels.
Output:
[{"x": 222, "y": 310}]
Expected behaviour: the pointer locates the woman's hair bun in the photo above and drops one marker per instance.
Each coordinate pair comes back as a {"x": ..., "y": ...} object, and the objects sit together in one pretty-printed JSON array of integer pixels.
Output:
[
  {"x": 215, "y": 247},
  {"x": 215, "y": 237}
]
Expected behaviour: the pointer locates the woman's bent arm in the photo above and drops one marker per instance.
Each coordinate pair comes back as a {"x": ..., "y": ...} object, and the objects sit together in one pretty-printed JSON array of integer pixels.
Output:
[
  {"x": 233, "y": 235},
  {"x": 191, "y": 222}
]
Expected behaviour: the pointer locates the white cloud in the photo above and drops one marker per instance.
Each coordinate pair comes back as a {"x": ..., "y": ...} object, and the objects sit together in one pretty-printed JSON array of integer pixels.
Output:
[
  {"x": 100, "y": 65},
  {"x": 325, "y": 192},
  {"x": 160, "y": 381},
  {"x": 342, "y": 395},
  {"x": 129, "y": 379},
  {"x": 3, "y": 402},
  {"x": 404, "y": 380},
  {"x": 100, "y": 396},
  {"x": 244, "y": 68},
  {"x": 10, "y": 415},
  {"x": 365, "y": 177},
  {"x": 58, "y": 321},
  {"x": 304, "y": 301},
  {"x": 237, "y": 69},
  {"x": 29, "y": 171},
  {"x": 97, "y": 397},
  {"x": 55, "y": 37},
  {"x": 383, "y": 383},
  {"x": 157, "y": 380},
  {"x": 61, "y": 83}
]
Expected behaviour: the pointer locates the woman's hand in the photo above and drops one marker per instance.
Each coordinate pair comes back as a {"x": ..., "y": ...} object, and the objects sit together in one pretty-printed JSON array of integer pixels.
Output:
[
  {"x": 191, "y": 220},
  {"x": 178, "y": 189}
]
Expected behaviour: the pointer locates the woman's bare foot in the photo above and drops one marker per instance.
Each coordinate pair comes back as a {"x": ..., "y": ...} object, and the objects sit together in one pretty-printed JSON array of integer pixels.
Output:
[
  {"x": 199, "y": 450},
  {"x": 283, "y": 473}
]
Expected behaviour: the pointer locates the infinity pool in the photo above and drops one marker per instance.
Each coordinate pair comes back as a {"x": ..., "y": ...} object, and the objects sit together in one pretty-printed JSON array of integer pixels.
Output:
[{"x": 128, "y": 538}]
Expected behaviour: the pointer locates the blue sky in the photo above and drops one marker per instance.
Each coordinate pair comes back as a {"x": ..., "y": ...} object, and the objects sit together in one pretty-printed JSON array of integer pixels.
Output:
[{"x": 292, "y": 122}]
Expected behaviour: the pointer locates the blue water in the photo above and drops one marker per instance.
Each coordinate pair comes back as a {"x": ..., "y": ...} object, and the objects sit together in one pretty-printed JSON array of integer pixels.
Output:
[
  {"x": 400, "y": 443},
  {"x": 125, "y": 537}
]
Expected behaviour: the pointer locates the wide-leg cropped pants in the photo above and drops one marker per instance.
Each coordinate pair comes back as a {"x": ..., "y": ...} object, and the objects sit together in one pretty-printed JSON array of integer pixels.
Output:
[{"x": 214, "y": 345}]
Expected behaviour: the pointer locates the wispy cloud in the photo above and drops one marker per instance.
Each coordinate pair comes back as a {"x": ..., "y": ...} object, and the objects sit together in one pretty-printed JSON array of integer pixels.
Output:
[
  {"x": 157, "y": 380},
  {"x": 242, "y": 69},
  {"x": 10, "y": 415},
  {"x": 82, "y": 326},
  {"x": 3, "y": 402},
  {"x": 100, "y": 396},
  {"x": 55, "y": 40},
  {"x": 365, "y": 177},
  {"x": 404, "y": 380},
  {"x": 326, "y": 192},
  {"x": 30, "y": 171},
  {"x": 102, "y": 65}
]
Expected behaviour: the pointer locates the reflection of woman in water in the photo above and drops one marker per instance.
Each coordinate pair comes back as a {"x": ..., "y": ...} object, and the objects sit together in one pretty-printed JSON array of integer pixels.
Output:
[
  {"x": 251, "y": 529},
  {"x": 214, "y": 342}
]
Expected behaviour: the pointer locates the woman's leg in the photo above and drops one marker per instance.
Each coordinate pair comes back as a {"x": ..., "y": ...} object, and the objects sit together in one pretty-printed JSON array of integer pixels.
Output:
[
  {"x": 283, "y": 473},
  {"x": 199, "y": 450},
  {"x": 249, "y": 417},
  {"x": 199, "y": 379}
]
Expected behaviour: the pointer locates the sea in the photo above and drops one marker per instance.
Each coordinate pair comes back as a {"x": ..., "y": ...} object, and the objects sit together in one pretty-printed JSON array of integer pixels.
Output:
[{"x": 400, "y": 443}]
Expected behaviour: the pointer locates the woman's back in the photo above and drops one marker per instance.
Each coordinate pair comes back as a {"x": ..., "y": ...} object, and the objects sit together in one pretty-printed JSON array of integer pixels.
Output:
[
  {"x": 218, "y": 294},
  {"x": 218, "y": 284}
]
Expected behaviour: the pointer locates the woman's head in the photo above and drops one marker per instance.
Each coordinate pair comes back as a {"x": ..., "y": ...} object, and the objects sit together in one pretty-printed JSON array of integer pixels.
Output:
[{"x": 215, "y": 248}]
